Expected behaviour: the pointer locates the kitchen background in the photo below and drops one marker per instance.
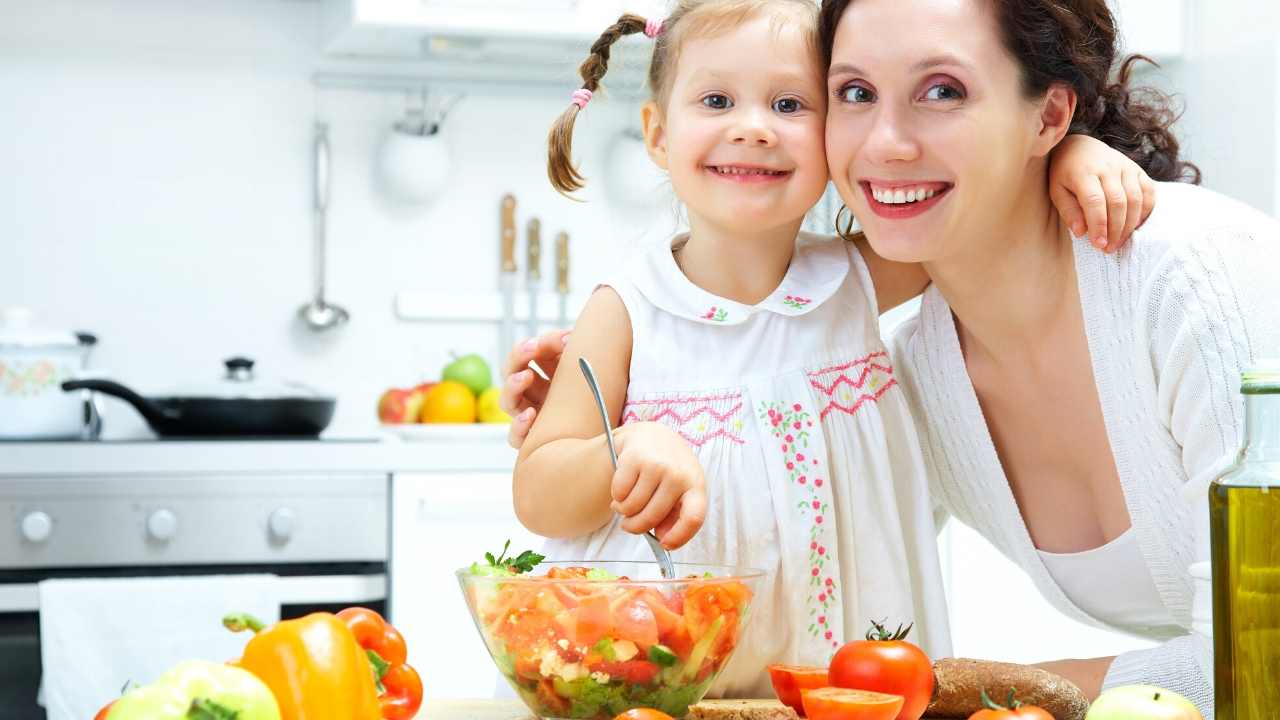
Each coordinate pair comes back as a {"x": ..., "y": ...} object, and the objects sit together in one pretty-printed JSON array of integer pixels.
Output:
[{"x": 157, "y": 191}]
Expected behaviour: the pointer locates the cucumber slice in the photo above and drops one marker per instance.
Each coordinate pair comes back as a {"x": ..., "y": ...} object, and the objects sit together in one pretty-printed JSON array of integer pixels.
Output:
[{"x": 662, "y": 655}]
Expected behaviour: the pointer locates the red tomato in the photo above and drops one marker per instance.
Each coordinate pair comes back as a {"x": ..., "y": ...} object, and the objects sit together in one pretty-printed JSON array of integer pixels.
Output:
[
  {"x": 789, "y": 680},
  {"x": 644, "y": 714},
  {"x": 591, "y": 620},
  {"x": 632, "y": 672},
  {"x": 831, "y": 703},
  {"x": 886, "y": 663},
  {"x": 1014, "y": 711},
  {"x": 634, "y": 621}
]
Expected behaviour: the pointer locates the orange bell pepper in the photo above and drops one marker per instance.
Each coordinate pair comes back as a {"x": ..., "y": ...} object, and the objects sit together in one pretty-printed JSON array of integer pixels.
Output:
[
  {"x": 313, "y": 666},
  {"x": 399, "y": 687}
]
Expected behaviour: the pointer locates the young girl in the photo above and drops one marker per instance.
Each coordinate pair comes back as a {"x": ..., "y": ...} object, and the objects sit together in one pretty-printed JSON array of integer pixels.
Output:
[{"x": 760, "y": 420}]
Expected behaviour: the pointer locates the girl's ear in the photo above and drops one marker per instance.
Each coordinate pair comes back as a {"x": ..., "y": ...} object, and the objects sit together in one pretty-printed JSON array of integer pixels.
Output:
[
  {"x": 655, "y": 136},
  {"x": 1056, "y": 111}
]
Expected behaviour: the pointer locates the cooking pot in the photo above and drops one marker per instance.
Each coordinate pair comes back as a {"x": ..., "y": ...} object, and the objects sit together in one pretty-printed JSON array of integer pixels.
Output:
[
  {"x": 237, "y": 405},
  {"x": 33, "y": 364}
]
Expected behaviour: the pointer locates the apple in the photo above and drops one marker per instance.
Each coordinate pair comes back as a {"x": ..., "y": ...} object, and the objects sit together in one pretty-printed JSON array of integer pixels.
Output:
[
  {"x": 1142, "y": 702},
  {"x": 470, "y": 370},
  {"x": 400, "y": 405}
]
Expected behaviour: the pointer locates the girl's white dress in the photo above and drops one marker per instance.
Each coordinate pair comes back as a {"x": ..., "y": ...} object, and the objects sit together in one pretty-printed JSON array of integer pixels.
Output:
[{"x": 814, "y": 471}]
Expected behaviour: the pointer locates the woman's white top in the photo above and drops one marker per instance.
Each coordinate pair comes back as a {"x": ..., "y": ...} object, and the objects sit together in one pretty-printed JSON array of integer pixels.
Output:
[{"x": 1171, "y": 320}]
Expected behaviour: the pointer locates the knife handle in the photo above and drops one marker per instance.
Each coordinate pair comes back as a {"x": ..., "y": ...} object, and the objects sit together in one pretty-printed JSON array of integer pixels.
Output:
[
  {"x": 533, "y": 257},
  {"x": 508, "y": 233},
  {"x": 562, "y": 263}
]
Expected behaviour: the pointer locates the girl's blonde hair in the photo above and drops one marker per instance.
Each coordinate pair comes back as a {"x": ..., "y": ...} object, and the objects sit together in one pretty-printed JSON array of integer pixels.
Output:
[{"x": 690, "y": 18}]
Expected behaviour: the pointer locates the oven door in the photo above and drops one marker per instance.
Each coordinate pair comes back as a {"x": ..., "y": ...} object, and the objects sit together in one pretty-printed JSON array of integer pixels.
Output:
[{"x": 331, "y": 553}]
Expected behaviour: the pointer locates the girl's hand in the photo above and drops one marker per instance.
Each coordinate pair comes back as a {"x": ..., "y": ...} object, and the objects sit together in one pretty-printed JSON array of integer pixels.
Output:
[
  {"x": 1099, "y": 190},
  {"x": 523, "y": 392},
  {"x": 659, "y": 484}
]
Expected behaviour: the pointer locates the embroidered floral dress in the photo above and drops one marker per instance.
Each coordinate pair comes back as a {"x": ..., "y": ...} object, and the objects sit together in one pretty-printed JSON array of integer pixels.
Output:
[{"x": 813, "y": 468}]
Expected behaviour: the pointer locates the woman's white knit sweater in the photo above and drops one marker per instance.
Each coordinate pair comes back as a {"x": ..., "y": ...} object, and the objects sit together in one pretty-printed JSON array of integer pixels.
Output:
[{"x": 1171, "y": 320}]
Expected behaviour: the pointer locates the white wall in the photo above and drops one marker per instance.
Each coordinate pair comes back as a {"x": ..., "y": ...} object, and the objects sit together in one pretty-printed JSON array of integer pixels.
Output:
[{"x": 157, "y": 192}]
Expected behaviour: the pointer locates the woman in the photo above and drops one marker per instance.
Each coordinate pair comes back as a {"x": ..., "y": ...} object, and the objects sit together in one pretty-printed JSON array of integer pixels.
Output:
[{"x": 1073, "y": 405}]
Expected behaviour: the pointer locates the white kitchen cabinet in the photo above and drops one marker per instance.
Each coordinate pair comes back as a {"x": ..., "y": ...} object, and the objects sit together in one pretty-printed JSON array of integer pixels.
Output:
[
  {"x": 442, "y": 522},
  {"x": 419, "y": 28}
]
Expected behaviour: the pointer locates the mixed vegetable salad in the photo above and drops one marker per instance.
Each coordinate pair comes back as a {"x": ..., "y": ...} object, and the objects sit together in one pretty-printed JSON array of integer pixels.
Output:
[{"x": 580, "y": 642}]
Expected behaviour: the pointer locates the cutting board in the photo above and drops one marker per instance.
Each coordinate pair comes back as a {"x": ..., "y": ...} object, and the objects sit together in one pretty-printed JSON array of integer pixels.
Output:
[{"x": 491, "y": 710}]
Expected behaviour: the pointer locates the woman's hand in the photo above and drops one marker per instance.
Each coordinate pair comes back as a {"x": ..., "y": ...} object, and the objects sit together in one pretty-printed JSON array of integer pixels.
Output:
[
  {"x": 1099, "y": 190},
  {"x": 523, "y": 392},
  {"x": 659, "y": 484},
  {"x": 1087, "y": 675}
]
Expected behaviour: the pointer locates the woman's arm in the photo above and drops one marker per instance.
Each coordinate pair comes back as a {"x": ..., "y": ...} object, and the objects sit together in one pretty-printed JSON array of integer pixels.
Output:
[{"x": 1085, "y": 674}]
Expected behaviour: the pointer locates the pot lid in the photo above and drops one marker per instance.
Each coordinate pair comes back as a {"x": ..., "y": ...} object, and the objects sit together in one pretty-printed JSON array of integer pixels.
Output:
[
  {"x": 240, "y": 381},
  {"x": 17, "y": 330}
]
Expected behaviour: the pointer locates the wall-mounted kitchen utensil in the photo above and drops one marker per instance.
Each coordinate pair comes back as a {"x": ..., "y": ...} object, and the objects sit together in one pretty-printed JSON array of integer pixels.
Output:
[
  {"x": 33, "y": 363},
  {"x": 237, "y": 405},
  {"x": 659, "y": 552},
  {"x": 533, "y": 271},
  {"x": 507, "y": 273},
  {"x": 319, "y": 314},
  {"x": 562, "y": 277},
  {"x": 415, "y": 161}
]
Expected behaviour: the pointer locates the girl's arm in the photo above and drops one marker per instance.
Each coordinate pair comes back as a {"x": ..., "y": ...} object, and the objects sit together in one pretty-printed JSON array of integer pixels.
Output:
[{"x": 1095, "y": 188}]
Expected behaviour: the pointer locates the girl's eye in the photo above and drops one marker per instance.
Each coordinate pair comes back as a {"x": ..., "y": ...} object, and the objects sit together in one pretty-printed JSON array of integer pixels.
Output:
[
  {"x": 787, "y": 106},
  {"x": 856, "y": 94},
  {"x": 944, "y": 92},
  {"x": 717, "y": 102}
]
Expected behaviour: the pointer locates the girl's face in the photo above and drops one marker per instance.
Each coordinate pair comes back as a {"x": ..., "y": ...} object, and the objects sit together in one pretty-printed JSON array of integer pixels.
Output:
[
  {"x": 929, "y": 139},
  {"x": 742, "y": 131}
]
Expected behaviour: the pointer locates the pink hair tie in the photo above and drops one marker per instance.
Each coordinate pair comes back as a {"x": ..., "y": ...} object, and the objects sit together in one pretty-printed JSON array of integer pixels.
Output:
[
  {"x": 652, "y": 28},
  {"x": 581, "y": 97}
]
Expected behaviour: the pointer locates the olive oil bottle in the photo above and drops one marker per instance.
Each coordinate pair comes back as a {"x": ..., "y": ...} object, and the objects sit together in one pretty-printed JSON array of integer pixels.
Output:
[{"x": 1244, "y": 521}]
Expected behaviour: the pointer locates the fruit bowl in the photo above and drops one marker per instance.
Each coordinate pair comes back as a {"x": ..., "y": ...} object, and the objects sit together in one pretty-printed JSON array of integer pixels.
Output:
[{"x": 592, "y": 642}]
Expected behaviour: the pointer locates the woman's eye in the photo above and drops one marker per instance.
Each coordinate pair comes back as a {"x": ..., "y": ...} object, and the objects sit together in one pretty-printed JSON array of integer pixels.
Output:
[
  {"x": 856, "y": 94},
  {"x": 786, "y": 106},
  {"x": 942, "y": 91},
  {"x": 717, "y": 102}
]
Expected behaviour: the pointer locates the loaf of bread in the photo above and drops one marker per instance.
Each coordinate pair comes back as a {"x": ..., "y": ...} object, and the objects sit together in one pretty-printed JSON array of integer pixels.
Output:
[
  {"x": 959, "y": 683},
  {"x": 741, "y": 710}
]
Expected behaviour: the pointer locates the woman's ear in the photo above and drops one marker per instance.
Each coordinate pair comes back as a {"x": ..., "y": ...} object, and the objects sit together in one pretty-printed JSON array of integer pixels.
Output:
[
  {"x": 655, "y": 136},
  {"x": 1056, "y": 111}
]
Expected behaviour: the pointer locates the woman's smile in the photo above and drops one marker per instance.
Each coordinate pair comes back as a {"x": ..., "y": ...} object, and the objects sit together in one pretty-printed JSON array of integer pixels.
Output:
[{"x": 899, "y": 199}]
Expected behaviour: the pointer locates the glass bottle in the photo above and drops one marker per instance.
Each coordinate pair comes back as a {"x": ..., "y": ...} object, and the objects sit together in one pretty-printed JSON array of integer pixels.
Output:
[{"x": 1244, "y": 522}]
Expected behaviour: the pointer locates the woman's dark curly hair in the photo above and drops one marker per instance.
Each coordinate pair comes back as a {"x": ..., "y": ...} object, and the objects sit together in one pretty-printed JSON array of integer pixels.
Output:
[{"x": 1073, "y": 42}]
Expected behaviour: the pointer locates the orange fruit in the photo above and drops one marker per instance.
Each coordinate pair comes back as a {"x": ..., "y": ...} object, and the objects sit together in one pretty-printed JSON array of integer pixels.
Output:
[{"x": 449, "y": 402}]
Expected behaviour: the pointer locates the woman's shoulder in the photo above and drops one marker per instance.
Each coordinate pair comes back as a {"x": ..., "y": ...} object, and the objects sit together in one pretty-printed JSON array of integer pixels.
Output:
[{"x": 1188, "y": 216}]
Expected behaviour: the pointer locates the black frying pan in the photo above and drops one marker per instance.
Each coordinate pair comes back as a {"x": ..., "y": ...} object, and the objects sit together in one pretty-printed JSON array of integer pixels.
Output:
[{"x": 198, "y": 416}]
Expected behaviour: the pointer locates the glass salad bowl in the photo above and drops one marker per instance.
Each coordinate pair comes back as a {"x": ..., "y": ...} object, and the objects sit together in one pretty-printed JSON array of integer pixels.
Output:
[{"x": 591, "y": 640}]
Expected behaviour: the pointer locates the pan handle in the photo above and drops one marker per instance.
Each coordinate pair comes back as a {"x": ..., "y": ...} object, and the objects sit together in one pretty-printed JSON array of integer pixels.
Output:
[{"x": 155, "y": 415}]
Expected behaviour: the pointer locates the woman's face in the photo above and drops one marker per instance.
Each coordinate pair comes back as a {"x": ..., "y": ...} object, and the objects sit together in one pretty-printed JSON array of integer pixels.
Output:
[{"x": 930, "y": 141}]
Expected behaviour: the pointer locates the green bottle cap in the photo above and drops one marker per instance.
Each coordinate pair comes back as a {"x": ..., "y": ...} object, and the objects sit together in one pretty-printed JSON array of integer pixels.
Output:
[{"x": 1261, "y": 378}]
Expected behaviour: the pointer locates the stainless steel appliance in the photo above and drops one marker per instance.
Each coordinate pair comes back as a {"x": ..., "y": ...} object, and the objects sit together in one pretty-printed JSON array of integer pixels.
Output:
[{"x": 326, "y": 535}]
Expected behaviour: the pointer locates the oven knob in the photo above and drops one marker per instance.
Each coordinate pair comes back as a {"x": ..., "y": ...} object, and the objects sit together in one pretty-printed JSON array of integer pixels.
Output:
[
  {"x": 162, "y": 525},
  {"x": 37, "y": 526},
  {"x": 281, "y": 524}
]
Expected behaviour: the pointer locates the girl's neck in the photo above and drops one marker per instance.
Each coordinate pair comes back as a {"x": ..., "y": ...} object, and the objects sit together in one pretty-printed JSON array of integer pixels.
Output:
[
  {"x": 1010, "y": 288},
  {"x": 743, "y": 267}
]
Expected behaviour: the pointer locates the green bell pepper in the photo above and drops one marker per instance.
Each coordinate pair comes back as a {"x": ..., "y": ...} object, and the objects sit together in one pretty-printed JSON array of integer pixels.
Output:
[{"x": 199, "y": 690}]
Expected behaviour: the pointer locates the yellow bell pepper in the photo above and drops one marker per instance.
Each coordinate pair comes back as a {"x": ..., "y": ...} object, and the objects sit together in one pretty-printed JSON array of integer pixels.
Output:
[{"x": 313, "y": 665}]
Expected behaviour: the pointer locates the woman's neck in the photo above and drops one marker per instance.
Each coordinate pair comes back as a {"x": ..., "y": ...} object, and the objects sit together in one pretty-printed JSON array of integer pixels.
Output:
[
  {"x": 1008, "y": 289},
  {"x": 743, "y": 267}
]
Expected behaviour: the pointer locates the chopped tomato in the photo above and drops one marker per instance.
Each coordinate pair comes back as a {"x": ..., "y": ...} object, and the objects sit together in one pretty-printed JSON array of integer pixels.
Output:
[
  {"x": 841, "y": 704},
  {"x": 523, "y": 630},
  {"x": 549, "y": 699},
  {"x": 591, "y": 620},
  {"x": 790, "y": 680},
  {"x": 634, "y": 621},
  {"x": 678, "y": 639},
  {"x": 706, "y": 601},
  {"x": 634, "y": 672},
  {"x": 662, "y": 611}
]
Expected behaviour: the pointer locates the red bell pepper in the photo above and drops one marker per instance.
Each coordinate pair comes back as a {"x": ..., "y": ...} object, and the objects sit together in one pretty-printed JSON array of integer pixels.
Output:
[{"x": 399, "y": 687}]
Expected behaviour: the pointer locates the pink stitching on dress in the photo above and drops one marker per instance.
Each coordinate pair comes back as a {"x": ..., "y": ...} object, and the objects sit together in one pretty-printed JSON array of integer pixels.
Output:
[
  {"x": 879, "y": 378},
  {"x": 727, "y": 424},
  {"x": 852, "y": 363}
]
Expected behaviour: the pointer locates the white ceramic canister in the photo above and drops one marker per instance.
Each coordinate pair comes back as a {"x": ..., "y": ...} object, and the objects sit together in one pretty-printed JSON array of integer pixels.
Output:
[{"x": 33, "y": 365}]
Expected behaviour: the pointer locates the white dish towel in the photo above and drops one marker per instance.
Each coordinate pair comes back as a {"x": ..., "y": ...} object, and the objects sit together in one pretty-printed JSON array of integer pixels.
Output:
[{"x": 98, "y": 634}]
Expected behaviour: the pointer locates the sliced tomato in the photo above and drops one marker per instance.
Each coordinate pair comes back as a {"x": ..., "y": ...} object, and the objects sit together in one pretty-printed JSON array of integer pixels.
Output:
[
  {"x": 841, "y": 704},
  {"x": 662, "y": 612},
  {"x": 643, "y": 714},
  {"x": 524, "y": 631},
  {"x": 633, "y": 620},
  {"x": 591, "y": 620},
  {"x": 550, "y": 700},
  {"x": 678, "y": 639},
  {"x": 790, "y": 680},
  {"x": 633, "y": 672},
  {"x": 705, "y": 602}
]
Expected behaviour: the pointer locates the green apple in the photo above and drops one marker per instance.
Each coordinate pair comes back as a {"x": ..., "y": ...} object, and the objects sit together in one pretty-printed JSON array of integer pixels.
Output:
[
  {"x": 470, "y": 370},
  {"x": 1142, "y": 702}
]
